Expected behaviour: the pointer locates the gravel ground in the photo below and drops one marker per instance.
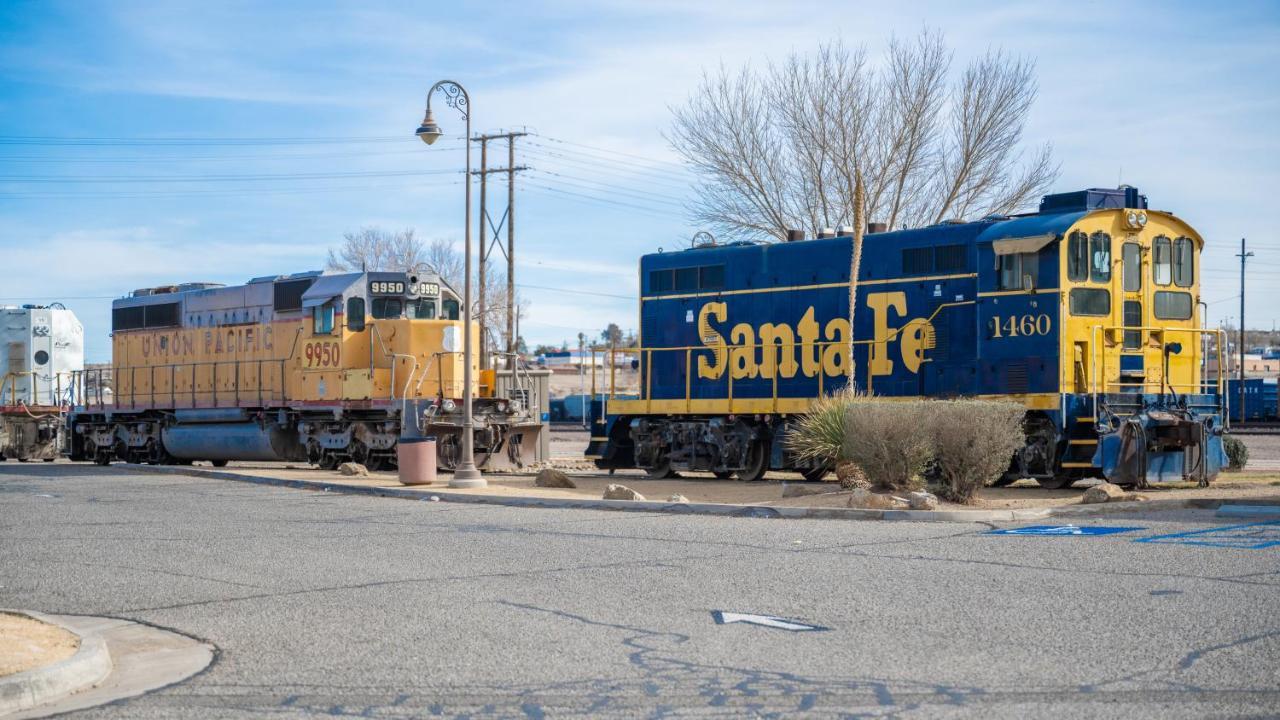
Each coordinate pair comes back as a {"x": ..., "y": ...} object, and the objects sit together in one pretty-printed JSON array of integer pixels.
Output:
[
  {"x": 324, "y": 604},
  {"x": 1264, "y": 452}
]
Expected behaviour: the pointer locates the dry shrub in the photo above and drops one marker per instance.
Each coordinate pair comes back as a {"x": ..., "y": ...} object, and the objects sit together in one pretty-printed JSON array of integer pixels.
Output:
[
  {"x": 1237, "y": 452},
  {"x": 888, "y": 440},
  {"x": 819, "y": 434},
  {"x": 850, "y": 476},
  {"x": 973, "y": 442}
]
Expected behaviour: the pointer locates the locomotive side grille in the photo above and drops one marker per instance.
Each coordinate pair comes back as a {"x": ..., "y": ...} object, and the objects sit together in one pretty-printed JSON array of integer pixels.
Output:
[{"x": 1015, "y": 377}]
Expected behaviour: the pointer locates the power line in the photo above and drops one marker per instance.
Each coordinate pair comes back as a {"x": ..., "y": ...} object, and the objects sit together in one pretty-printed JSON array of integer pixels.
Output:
[
  {"x": 78, "y": 179},
  {"x": 187, "y": 158},
  {"x": 229, "y": 192},
  {"x": 608, "y": 165},
  {"x": 51, "y": 141},
  {"x": 597, "y": 186},
  {"x": 577, "y": 292},
  {"x": 649, "y": 209},
  {"x": 603, "y": 150}
]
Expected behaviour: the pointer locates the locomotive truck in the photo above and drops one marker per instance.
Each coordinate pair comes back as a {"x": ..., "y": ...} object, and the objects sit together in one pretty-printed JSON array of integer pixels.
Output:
[
  {"x": 1085, "y": 312},
  {"x": 309, "y": 367}
]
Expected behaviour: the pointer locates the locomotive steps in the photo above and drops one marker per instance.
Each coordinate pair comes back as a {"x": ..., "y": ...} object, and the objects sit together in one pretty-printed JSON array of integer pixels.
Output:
[{"x": 518, "y": 491}]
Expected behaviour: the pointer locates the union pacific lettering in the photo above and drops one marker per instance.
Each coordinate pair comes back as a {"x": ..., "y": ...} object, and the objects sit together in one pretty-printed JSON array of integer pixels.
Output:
[
  {"x": 812, "y": 346},
  {"x": 214, "y": 341}
]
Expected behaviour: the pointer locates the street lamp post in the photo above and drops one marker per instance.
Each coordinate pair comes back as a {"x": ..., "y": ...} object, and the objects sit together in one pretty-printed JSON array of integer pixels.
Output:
[{"x": 466, "y": 475}]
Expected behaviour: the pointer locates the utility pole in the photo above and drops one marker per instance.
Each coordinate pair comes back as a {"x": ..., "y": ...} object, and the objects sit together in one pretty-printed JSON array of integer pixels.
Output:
[
  {"x": 484, "y": 215},
  {"x": 511, "y": 250},
  {"x": 1244, "y": 256},
  {"x": 490, "y": 234}
]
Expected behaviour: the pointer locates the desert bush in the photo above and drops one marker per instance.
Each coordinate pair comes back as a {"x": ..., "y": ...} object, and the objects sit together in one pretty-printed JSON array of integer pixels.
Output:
[
  {"x": 851, "y": 477},
  {"x": 973, "y": 442},
  {"x": 888, "y": 440},
  {"x": 1237, "y": 452},
  {"x": 819, "y": 434}
]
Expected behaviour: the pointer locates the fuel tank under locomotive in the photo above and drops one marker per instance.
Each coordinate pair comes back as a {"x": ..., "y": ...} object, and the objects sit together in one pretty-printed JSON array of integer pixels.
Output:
[{"x": 232, "y": 441}]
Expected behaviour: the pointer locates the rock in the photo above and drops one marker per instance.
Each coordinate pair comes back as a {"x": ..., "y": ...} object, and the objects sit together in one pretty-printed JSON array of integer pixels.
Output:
[
  {"x": 552, "y": 478},
  {"x": 867, "y": 500},
  {"x": 621, "y": 492},
  {"x": 677, "y": 498},
  {"x": 356, "y": 469},
  {"x": 922, "y": 501},
  {"x": 800, "y": 490},
  {"x": 1106, "y": 492},
  {"x": 851, "y": 476}
]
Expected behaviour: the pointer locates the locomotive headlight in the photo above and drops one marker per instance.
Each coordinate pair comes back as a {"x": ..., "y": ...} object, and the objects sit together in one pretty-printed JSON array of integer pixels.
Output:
[
  {"x": 1142, "y": 220},
  {"x": 448, "y": 406},
  {"x": 1132, "y": 219}
]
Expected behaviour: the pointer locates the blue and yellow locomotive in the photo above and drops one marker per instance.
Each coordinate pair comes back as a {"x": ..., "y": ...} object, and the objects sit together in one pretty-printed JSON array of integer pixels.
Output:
[{"x": 1085, "y": 312}]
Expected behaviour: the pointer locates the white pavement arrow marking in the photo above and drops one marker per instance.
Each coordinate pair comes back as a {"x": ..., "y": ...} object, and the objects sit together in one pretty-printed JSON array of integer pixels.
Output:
[
  {"x": 1065, "y": 530},
  {"x": 724, "y": 618}
]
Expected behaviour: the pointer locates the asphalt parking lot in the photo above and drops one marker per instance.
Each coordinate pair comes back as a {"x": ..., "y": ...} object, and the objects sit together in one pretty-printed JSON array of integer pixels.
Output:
[{"x": 350, "y": 606}]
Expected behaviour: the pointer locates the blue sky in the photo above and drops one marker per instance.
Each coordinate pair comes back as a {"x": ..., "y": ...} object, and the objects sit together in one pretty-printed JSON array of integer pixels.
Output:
[{"x": 1179, "y": 99}]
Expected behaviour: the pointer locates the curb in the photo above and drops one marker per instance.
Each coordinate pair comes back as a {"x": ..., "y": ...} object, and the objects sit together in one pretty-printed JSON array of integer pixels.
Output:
[
  {"x": 716, "y": 509},
  {"x": 1150, "y": 506},
  {"x": 89, "y": 666}
]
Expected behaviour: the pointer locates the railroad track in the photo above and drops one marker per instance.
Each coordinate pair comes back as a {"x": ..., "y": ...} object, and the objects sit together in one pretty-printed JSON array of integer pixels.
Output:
[{"x": 1256, "y": 428}]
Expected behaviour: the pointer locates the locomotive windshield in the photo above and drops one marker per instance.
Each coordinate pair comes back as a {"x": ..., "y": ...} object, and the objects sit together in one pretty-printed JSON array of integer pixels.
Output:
[{"x": 389, "y": 308}]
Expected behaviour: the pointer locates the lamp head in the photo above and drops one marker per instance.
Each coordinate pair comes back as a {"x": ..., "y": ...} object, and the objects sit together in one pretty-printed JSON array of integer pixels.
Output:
[{"x": 429, "y": 131}]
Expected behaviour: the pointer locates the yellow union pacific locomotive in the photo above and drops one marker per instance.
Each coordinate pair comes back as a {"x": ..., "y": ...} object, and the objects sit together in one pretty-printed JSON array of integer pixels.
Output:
[{"x": 314, "y": 367}]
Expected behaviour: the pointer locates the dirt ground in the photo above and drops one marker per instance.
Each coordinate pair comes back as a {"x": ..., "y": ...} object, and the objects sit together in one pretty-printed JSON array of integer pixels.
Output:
[{"x": 26, "y": 644}]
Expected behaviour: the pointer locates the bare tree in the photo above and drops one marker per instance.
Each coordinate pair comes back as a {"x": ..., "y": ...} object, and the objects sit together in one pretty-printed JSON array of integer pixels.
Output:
[
  {"x": 782, "y": 147},
  {"x": 375, "y": 249},
  {"x": 445, "y": 259}
]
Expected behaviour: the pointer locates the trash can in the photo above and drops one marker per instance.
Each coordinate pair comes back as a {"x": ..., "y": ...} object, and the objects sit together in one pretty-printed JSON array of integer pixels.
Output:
[{"x": 417, "y": 459}]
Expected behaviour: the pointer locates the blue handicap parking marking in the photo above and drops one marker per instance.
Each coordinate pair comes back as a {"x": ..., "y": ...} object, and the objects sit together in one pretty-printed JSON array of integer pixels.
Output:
[
  {"x": 1063, "y": 530},
  {"x": 1254, "y": 536}
]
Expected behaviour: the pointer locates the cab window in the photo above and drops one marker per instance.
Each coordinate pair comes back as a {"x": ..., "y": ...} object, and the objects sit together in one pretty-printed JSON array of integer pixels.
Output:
[
  {"x": 1100, "y": 257},
  {"x": 1184, "y": 262},
  {"x": 1090, "y": 301},
  {"x": 1132, "y": 319},
  {"x": 421, "y": 309},
  {"x": 355, "y": 314},
  {"x": 449, "y": 309},
  {"x": 387, "y": 308},
  {"x": 322, "y": 319},
  {"x": 1132, "y": 261},
  {"x": 1172, "y": 305},
  {"x": 1162, "y": 261},
  {"x": 1077, "y": 257},
  {"x": 1014, "y": 270}
]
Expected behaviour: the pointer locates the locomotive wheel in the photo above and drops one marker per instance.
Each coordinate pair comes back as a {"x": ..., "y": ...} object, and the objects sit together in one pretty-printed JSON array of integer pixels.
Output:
[
  {"x": 218, "y": 463},
  {"x": 757, "y": 462},
  {"x": 1057, "y": 482},
  {"x": 661, "y": 471},
  {"x": 448, "y": 449},
  {"x": 49, "y": 459},
  {"x": 723, "y": 474},
  {"x": 328, "y": 461},
  {"x": 815, "y": 474}
]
